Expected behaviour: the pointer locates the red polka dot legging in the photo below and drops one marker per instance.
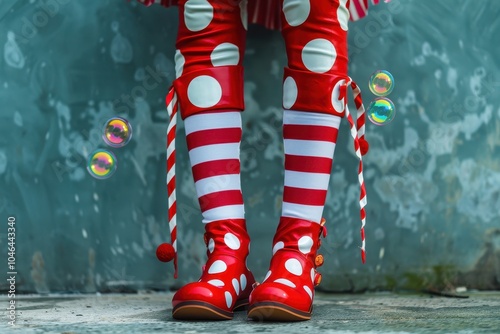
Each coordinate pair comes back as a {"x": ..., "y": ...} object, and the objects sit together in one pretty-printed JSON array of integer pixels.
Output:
[{"x": 209, "y": 57}]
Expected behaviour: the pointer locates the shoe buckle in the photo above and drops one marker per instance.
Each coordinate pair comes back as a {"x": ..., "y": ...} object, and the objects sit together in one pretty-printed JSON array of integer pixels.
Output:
[
  {"x": 319, "y": 260},
  {"x": 317, "y": 279},
  {"x": 323, "y": 230}
]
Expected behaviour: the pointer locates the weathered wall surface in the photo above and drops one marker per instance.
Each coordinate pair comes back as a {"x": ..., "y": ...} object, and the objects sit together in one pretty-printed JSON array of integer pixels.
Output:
[{"x": 433, "y": 174}]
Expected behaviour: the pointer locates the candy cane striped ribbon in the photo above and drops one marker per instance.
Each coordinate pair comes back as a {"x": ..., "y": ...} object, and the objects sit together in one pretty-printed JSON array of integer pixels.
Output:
[
  {"x": 171, "y": 102},
  {"x": 358, "y": 135},
  {"x": 359, "y": 8}
]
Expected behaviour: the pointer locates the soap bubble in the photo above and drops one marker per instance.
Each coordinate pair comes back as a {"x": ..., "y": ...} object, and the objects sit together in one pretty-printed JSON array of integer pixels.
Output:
[
  {"x": 381, "y": 111},
  {"x": 101, "y": 164},
  {"x": 117, "y": 132},
  {"x": 381, "y": 83}
]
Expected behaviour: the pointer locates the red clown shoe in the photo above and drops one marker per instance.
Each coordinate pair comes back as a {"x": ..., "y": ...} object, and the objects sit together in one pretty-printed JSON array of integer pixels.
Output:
[
  {"x": 225, "y": 283},
  {"x": 287, "y": 292}
]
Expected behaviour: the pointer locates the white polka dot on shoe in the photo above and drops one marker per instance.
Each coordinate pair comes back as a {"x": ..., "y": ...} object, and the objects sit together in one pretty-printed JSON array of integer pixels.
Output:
[
  {"x": 236, "y": 286},
  {"x": 267, "y": 275},
  {"x": 308, "y": 290},
  {"x": 279, "y": 245},
  {"x": 229, "y": 299},
  {"x": 211, "y": 245},
  {"x": 216, "y": 282},
  {"x": 294, "y": 267},
  {"x": 305, "y": 244},
  {"x": 231, "y": 241},
  {"x": 217, "y": 267},
  {"x": 286, "y": 282},
  {"x": 243, "y": 282}
]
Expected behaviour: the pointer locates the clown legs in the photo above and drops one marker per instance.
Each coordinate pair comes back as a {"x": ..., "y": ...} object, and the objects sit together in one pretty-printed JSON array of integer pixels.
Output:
[
  {"x": 210, "y": 47},
  {"x": 315, "y": 34}
]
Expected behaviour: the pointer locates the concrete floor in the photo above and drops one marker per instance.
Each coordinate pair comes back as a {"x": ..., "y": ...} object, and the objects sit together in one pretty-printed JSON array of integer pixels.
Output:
[{"x": 333, "y": 313}]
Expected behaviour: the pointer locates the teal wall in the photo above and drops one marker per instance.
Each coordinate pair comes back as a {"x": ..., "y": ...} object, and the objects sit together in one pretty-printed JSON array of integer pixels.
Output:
[{"x": 432, "y": 175}]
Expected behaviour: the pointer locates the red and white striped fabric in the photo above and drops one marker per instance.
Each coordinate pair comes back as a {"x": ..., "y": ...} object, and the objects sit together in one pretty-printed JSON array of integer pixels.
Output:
[
  {"x": 359, "y": 8},
  {"x": 213, "y": 141},
  {"x": 309, "y": 145},
  {"x": 268, "y": 12},
  {"x": 360, "y": 146},
  {"x": 216, "y": 170},
  {"x": 172, "y": 106}
]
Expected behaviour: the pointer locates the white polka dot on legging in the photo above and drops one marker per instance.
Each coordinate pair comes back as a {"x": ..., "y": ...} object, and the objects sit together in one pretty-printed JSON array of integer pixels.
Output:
[
  {"x": 293, "y": 266},
  {"x": 313, "y": 273},
  {"x": 225, "y": 54},
  {"x": 319, "y": 55},
  {"x": 217, "y": 267},
  {"x": 305, "y": 244},
  {"x": 229, "y": 299},
  {"x": 290, "y": 92},
  {"x": 216, "y": 282},
  {"x": 279, "y": 245},
  {"x": 232, "y": 241},
  {"x": 204, "y": 91},
  {"x": 338, "y": 104},
  {"x": 179, "y": 63},
  {"x": 236, "y": 286},
  {"x": 296, "y": 11},
  {"x": 308, "y": 290},
  {"x": 198, "y": 14},
  {"x": 285, "y": 282},
  {"x": 244, "y": 13},
  {"x": 267, "y": 275},
  {"x": 343, "y": 15}
]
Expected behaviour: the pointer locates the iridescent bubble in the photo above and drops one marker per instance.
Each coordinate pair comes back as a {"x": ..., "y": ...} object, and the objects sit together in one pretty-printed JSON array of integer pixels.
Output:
[
  {"x": 101, "y": 164},
  {"x": 381, "y": 111},
  {"x": 381, "y": 83},
  {"x": 117, "y": 132}
]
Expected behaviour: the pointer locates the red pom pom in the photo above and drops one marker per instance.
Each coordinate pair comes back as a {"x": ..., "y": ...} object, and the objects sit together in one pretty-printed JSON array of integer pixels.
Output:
[
  {"x": 165, "y": 252},
  {"x": 363, "y": 146}
]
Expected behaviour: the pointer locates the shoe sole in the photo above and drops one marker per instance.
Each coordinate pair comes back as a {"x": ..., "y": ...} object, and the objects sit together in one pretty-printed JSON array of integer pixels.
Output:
[
  {"x": 271, "y": 311},
  {"x": 196, "y": 310}
]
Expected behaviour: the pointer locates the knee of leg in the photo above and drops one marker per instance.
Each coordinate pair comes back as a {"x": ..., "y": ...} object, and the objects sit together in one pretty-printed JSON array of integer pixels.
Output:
[
  {"x": 219, "y": 88},
  {"x": 315, "y": 92}
]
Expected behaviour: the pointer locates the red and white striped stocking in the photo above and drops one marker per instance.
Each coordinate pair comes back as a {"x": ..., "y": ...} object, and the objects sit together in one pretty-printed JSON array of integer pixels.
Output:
[
  {"x": 213, "y": 141},
  {"x": 315, "y": 87},
  {"x": 309, "y": 140}
]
